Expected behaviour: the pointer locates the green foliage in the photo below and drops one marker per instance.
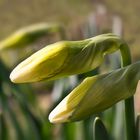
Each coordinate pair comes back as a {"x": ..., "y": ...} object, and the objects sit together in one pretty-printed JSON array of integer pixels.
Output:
[
  {"x": 138, "y": 126},
  {"x": 99, "y": 130}
]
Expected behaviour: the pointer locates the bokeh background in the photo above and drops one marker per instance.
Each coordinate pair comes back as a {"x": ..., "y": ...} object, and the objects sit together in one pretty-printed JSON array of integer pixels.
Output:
[
  {"x": 16, "y": 14},
  {"x": 24, "y": 108}
]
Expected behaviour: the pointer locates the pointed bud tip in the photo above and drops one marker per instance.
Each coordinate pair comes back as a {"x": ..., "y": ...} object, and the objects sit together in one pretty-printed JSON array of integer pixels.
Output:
[
  {"x": 14, "y": 77},
  {"x": 57, "y": 117},
  {"x": 52, "y": 118}
]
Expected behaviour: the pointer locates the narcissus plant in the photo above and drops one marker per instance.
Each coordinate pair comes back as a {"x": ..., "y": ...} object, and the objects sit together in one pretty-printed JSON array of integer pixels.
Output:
[{"x": 94, "y": 94}]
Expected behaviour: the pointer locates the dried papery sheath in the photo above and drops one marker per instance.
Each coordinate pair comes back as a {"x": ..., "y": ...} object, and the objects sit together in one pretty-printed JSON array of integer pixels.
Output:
[
  {"x": 97, "y": 93},
  {"x": 27, "y": 35},
  {"x": 66, "y": 58}
]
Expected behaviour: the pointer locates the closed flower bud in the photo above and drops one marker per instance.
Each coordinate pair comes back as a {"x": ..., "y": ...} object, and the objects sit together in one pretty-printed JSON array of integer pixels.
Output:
[
  {"x": 66, "y": 58},
  {"x": 28, "y": 35},
  {"x": 97, "y": 93}
]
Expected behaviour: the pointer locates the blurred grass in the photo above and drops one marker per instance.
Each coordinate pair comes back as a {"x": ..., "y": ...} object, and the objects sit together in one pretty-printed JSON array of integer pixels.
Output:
[
  {"x": 129, "y": 11},
  {"x": 22, "y": 13}
]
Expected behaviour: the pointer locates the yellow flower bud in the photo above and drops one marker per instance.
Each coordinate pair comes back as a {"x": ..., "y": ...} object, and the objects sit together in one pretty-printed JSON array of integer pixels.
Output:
[
  {"x": 66, "y": 58},
  {"x": 28, "y": 35},
  {"x": 96, "y": 94}
]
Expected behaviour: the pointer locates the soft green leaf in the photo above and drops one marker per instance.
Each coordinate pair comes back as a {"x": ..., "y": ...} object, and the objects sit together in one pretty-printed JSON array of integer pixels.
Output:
[
  {"x": 3, "y": 128},
  {"x": 99, "y": 130},
  {"x": 138, "y": 127}
]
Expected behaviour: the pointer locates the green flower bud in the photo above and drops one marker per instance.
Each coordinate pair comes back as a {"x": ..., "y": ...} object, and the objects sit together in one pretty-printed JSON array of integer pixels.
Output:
[
  {"x": 66, "y": 58},
  {"x": 28, "y": 35},
  {"x": 96, "y": 94}
]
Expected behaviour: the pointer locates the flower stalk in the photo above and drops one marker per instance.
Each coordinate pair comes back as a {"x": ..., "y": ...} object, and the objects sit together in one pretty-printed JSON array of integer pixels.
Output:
[{"x": 129, "y": 103}]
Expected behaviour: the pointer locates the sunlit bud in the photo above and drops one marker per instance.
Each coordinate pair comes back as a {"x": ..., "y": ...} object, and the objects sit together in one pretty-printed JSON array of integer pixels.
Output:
[
  {"x": 65, "y": 58},
  {"x": 27, "y": 35},
  {"x": 97, "y": 93}
]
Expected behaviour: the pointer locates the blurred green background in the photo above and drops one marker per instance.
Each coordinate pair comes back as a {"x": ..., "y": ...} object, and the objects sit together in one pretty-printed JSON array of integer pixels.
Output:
[
  {"x": 16, "y": 14},
  {"x": 24, "y": 108}
]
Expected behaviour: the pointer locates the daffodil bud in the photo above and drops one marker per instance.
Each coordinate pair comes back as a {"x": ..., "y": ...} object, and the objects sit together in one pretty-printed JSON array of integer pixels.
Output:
[
  {"x": 28, "y": 35},
  {"x": 97, "y": 93},
  {"x": 66, "y": 58}
]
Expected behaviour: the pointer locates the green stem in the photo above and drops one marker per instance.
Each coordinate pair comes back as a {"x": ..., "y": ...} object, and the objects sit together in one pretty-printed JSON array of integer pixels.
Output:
[
  {"x": 129, "y": 103},
  {"x": 88, "y": 131}
]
